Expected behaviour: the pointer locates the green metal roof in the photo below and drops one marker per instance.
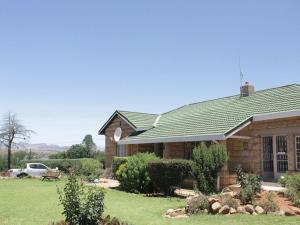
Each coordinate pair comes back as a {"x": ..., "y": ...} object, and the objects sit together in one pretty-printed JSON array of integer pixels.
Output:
[
  {"x": 216, "y": 117},
  {"x": 139, "y": 120}
]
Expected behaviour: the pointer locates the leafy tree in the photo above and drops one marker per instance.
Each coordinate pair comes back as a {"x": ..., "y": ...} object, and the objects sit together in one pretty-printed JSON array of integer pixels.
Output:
[
  {"x": 77, "y": 151},
  {"x": 208, "y": 161},
  {"x": 11, "y": 133},
  {"x": 89, "y": 143}
]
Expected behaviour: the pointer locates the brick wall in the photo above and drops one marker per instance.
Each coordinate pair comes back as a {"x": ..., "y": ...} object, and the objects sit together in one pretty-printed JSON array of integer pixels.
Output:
[
  {"x": 251, "y": 159},
  {"x": 110, "y": 144}
]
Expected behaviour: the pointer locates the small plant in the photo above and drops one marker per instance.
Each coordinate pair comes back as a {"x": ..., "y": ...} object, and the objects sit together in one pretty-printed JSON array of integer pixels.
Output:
[
  {"x": 208, "y": 161},
  {"x": 247, "y": 195},
  {"x": 81, "y": 205},
  {"x": 250, "y": 185},
  {"x": 282, "y": 180},
  {"x": 230, "y": 201},
  {"x": 197, "y": 205},
  {"x": 268, "y": 203},
  {"x": 293, "y": 188},
  {"x": 112, "y": 221},
  {"x": 116, "y": 162}
]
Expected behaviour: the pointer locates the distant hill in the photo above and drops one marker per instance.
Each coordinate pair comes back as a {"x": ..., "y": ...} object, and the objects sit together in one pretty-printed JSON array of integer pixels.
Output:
[{"x": 43, "y": 147}]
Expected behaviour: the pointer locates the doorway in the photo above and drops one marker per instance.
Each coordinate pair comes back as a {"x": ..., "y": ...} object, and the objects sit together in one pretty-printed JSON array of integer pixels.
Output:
[{"x": 274, "y": 155}]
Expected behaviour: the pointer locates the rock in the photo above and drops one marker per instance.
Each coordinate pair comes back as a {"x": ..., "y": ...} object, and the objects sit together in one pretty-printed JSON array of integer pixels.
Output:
[
  {"x": 177, "y": 212},
  {"x": 216, "y": 207},
  {"x": 254, "y": 214},
  {"x": 249, "y": 208},
  {"x": 259, "y": 210},
  {"x": 226, "y": 189},
  {"x": 241, "y": 209},
  {"x": 230, "y": 194},
  {"x": 289, "y": 213},
  {"x": 224, "y": 210},
  {"x": 169, "y": 211},
  {"x": 181, "y": 216},
  {"x": 212, "y": 200},
  {"x": 232, "y": 211}
]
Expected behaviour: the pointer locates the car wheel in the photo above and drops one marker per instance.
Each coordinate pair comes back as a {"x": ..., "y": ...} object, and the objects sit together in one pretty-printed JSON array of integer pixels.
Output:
[{"x": 22, "y": 175}]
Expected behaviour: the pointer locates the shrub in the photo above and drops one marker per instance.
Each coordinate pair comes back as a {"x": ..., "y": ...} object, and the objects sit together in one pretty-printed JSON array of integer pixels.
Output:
[
  {"x": 114, "y": 221},
  {"x": 250, "y": 185},
  {"x": 135, "y": 178},
  {"x": 230, "y": 201},
  {"x": 208, "y": 161},
  {"x": 84, "y": 166},
  {"x": 282, "y": 180},
  {"x": 90, "y": 167},
  {"x": 197, "y": 205},
  {"x": 81, "y": 205},
  {"x": 116, "y": 162},
  {"x": 293, "y": 188},
  {"x": 121, "y": 170},
  {"x": 166, "y": 173},
  {"x": 268, "y": 203}
]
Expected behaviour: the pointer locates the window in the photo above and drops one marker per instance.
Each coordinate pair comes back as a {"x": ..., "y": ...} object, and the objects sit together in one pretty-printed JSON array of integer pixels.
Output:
[
  {"x": 33, "y": 166},
  {"x": 121, "y": 150},
  {"x": 297, "y": 145},
  {"x": 41, "y": 167}
]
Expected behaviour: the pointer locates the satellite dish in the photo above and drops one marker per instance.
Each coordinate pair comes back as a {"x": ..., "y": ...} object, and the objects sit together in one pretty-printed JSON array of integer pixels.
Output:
[{"x": 118, "y": 133}]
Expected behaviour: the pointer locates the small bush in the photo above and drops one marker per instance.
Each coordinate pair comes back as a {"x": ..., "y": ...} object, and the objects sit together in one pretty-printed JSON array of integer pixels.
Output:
[
  {"x": 90, "y": 167},
  {"x": 247, "y": 195},
  {"x": 114, "y": 221},
  {"x": 293, "y": 188},
  {"x": 268, "y": 204},
  {"x": 134, "y": 177},
  {"x": 81, "y": 205},
  {"x": 208, "y": 161},
  {"x": 116, "y": 162},
  {"x": 166, "y": 173},
  {"x": 197, "y": 205},
  {"x": 250, "y": 185},
  {"x": 230, "y": 201},
  {"x": 282, "y": 180}
]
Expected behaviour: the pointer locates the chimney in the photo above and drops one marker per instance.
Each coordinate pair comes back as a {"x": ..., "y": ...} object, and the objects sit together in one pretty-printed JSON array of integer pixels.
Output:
[{"x": 247, "y": 90}]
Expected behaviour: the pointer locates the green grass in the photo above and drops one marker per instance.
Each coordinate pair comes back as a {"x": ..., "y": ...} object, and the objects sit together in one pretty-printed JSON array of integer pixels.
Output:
[{"x": 33, "y": 202}]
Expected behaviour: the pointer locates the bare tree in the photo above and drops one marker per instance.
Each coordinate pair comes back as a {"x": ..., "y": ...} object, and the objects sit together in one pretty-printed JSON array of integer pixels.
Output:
[{"x": 12, "y": 132}]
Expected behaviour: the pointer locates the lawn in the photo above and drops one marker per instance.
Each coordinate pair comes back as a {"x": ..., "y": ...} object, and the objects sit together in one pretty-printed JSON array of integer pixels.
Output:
[{"x": 33, "y": 202}]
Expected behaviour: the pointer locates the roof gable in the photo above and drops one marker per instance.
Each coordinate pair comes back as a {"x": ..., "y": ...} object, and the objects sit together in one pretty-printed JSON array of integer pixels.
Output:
[{"x": 138, "y": 121}]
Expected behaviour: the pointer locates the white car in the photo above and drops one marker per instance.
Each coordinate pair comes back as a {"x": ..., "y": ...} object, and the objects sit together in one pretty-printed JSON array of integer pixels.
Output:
[{"x": 32, "y": 169}]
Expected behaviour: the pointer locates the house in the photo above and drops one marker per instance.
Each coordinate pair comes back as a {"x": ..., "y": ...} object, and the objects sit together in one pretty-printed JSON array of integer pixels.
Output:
[{"x": 261, "y": 131}]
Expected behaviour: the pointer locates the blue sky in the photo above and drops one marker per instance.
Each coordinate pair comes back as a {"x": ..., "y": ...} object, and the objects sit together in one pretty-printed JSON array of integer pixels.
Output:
[{"x": 65, "y": 66}]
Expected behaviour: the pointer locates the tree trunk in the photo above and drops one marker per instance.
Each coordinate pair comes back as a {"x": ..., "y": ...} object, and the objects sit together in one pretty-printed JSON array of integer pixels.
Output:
[{"x": 9, "y": 157}]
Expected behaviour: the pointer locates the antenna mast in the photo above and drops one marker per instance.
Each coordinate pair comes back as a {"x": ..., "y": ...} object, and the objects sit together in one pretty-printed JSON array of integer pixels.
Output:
[{"x": 241, "y": 73}]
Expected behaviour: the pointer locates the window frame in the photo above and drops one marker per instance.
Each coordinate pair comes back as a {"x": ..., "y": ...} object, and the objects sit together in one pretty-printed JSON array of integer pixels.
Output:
[
  {"x": 123, "y": 150},
  {"x": 296, "y": 150}
]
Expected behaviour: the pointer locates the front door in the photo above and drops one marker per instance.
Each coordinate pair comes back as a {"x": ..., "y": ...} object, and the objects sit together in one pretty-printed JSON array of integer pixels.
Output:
[
  {"x": 274, "y": 155},
  {"x": 267, "y": 153}
]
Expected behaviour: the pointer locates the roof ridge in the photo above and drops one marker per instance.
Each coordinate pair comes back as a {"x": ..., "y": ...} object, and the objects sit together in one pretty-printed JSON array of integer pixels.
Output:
[
  {"x": 120, "y": 111},
  {"x": 230, "y": 96}
]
